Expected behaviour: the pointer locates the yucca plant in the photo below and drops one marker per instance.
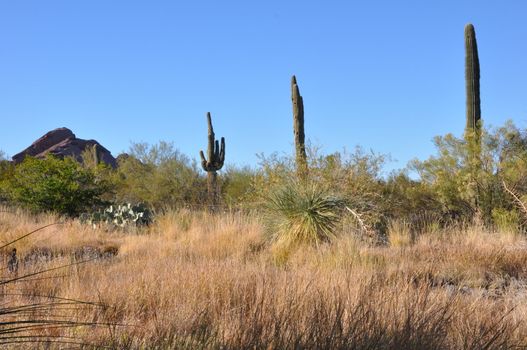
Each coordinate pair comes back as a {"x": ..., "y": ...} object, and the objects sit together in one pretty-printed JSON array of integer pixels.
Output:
[{"x": 300, "y": 212}]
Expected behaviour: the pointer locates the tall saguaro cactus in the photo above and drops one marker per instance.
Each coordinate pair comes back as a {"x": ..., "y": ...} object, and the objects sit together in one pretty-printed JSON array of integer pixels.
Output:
[
  {"x": 473, "y": 113},
  {"x": 298, "y": 129},
  {"x": 216, "y": 158},
  {"x": 472, "y": 83}
]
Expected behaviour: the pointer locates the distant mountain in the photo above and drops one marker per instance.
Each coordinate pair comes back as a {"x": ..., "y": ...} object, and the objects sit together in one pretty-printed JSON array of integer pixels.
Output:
[{"x": 62, "y": 142}]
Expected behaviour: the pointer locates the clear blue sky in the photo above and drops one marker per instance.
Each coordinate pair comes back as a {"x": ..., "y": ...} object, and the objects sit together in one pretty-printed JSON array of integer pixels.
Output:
[{"x": 387, "y": 75}]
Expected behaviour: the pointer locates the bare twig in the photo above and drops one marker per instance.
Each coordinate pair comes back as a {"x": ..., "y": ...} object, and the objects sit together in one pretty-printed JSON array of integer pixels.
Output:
[
  {"x": 519, "y": 203},
  {"x": 357, "y": 217},
  {"x": 30, "y": 233}
]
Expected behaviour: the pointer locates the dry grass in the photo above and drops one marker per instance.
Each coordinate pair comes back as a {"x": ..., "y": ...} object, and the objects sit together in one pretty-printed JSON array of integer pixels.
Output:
[
  {"x": 399, "y": 234},
  {"x": 195, "y": 280}
]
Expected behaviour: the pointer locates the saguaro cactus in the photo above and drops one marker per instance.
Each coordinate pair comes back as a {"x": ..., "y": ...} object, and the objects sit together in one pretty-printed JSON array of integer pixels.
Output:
[
  {"x": 298, "y": 129},
  {"x": 216, "y": 158},
  {"x": 473, "y": 114},
  {"x": 472, "y": 82}
]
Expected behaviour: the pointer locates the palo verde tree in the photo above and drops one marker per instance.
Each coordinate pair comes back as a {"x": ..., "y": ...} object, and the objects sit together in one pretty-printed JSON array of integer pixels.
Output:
[
  {"x": 298, "y": 129},
  {"x": 216, "y": 158}
]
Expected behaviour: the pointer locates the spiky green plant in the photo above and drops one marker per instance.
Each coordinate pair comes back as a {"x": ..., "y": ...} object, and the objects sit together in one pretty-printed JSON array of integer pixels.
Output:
[
  {"x": 302, "y": 212},
  {"x": 216, "y": 158}
]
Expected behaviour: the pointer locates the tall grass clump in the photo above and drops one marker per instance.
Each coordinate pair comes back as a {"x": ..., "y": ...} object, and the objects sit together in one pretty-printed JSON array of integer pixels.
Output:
[
  {"x": 400, "y": 234},
  {"x": 302, "y": 213}
]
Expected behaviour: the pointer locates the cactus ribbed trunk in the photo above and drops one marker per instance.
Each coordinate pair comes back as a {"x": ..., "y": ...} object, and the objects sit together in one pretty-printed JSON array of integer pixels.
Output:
[
  {"x": 216, "y": 158},
  {"x": 298, "y": 129},
  {"x": 473, "y": 113},
  {"x": 472, "y": 82},
  {"x": 212, "y": 188}
]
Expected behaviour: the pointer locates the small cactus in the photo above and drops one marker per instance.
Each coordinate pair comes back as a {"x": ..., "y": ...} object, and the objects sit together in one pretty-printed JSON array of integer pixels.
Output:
[
  {"x": 298, "y": 129},
  {"x": 214, "y": 162}
]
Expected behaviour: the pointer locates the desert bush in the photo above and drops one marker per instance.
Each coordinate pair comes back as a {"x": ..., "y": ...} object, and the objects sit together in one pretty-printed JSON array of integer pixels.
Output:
[
  {"x": 356, "y": 177},
  {"x": 56, "y": 185},
  {"x": 6, "y": 174},
  {"x": 448, "y": 175},
  {"x": 465, "y": 191},
  {"x": 237, "y": 186},
  {"x": 159, "y": 176},
  {"x": 506, "y": 220}
]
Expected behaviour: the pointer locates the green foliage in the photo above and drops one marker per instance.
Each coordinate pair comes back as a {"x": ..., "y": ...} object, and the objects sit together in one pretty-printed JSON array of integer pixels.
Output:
[
  {"x": 125, "y": 215},
  {"x": 412, "y": 201},
  {"x": 506, "y": 220},
  {"x": 356, "y": 176},
  {"x": 510, "y": 155},
  {"x": 236, "y": 186},
  {"x": 6, "y": 172},
  {"x": 159, "y": 176},
  {"x": 302, "y": 213},
  {"x": 455, "y": 181},
  {"x": 52, "y": 184},
  {"x": 449, "y": 175}
]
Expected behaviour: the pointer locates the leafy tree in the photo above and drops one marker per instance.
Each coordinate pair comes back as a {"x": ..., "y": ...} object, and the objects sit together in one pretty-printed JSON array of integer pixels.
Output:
[
  {"x": 159, "y": 176},
  {"x": 53, "y": 184},
  {"x": 236, "y": 186},
  {"x": 455, "y": 180},
  {"x": 6, "y": 172}
]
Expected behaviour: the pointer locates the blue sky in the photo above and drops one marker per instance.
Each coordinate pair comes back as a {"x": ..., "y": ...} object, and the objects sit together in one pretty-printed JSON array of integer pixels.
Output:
[{"x": 386, "y": 75}]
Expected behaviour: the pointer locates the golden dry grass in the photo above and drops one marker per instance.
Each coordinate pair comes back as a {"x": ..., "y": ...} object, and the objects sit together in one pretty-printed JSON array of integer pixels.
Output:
[{"x": 195, "y": 280}]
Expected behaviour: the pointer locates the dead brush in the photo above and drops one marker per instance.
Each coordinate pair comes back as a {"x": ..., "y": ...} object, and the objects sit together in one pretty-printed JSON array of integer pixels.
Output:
[{"x": 29, "y": 318}]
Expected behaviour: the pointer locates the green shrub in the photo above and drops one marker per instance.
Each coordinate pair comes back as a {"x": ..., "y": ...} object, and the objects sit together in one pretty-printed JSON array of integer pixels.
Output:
[
  {"x": 465, "y": 190},
  {"x": 302, "y": 213},
  {"x": 506, "y": 220},
  {"x": 56, "y": 185},
  {"x": 160, "y": 176},
  {"x": 355, "y": 176},
  {"x": 236, "y": 186}
]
